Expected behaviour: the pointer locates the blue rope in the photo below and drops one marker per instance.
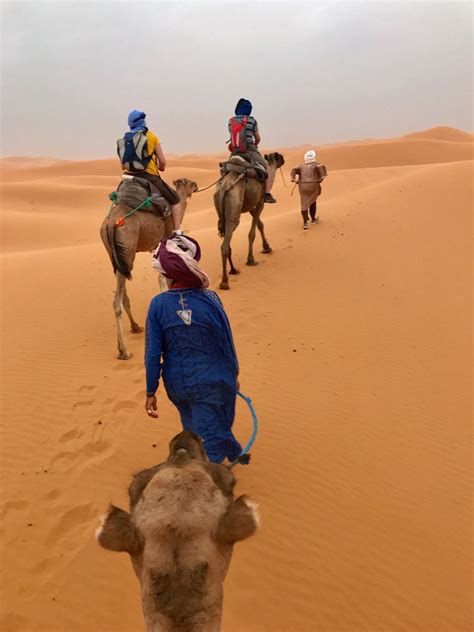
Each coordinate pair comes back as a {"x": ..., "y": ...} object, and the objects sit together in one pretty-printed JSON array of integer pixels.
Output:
[{"x": 244, "y": 457}]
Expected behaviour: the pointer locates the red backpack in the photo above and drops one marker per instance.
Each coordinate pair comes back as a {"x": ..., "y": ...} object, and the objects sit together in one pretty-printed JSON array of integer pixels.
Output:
[{"x": 238, "y": 137}]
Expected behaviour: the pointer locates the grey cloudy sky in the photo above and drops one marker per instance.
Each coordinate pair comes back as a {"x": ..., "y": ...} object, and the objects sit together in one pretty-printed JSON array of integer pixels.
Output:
[{"x": 316, "y": 72}]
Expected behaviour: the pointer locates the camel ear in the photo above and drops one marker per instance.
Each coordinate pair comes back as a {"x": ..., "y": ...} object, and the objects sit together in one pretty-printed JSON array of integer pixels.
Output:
[
  {"x": 266, "y": 157},
  {"x": 117, "y": 532},
  {"x": 240, "y": 521},
  {"x": 139, "y": 482}
]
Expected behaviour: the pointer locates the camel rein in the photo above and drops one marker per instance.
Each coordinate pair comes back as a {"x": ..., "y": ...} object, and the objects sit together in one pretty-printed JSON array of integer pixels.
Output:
[
  {"x": 217, "y": 181},
  {"x": 241, "y": 175},
  {"x": 208, "y": 187},
  {"x": 244, "y": 457}
]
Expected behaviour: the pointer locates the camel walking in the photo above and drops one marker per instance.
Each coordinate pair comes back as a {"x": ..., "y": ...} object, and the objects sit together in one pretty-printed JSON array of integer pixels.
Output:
[
  {"x": 180, "y": 532},
  {"x": 141, "y": 232},
  {"x": 240, "y": 193}
]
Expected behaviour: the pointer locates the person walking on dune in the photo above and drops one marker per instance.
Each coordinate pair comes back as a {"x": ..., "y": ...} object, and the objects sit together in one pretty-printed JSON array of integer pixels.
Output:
[
  {"x": 309, "y": 176},
  {"x": 189, "y": 342}
]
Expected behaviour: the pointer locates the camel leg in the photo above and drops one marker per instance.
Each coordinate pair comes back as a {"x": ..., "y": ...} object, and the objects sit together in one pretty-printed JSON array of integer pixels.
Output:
[
  {"x": 224, "y": 284},
  {"x": 233, "y": 269},
  {"x": 123, "y": 354},
  {"x": 266, "y": 246},
  {"x": 250, "y": 259},
  {"x": 226, "y": 252},
  {"x": 136, "y": 329}
]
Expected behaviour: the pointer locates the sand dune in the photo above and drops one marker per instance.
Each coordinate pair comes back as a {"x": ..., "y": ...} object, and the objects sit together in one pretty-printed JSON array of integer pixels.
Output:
[
  {"x": 104, "y": 167},
  {"x": 54, "y": 193},
  {"x": 439, "y": 144},
  {"x": 22, "y": 162},
  {"x": 443, "y": 133},
  {"x": 353, "y": 344}
]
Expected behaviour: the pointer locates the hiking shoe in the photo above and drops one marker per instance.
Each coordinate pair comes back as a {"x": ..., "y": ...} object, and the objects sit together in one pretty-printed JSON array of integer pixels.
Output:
[
  {"x": 315, "y": 220},
  {"x": 305, "y": 226},
  {"x": 269, "y": 199}
]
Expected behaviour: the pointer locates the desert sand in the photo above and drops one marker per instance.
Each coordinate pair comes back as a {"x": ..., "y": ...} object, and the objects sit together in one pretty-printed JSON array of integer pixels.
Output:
[{"x": 354, "y": 340}]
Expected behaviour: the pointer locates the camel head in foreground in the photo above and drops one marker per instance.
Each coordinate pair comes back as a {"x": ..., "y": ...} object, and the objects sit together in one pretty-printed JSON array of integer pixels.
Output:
[{"x": 180, "y": 532}]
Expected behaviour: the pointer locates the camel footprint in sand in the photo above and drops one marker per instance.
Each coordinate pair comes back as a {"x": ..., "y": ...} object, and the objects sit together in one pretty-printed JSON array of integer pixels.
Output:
[
  {"x": 126, "y": 404},
  {"x": 75, "y": 433},
  {"x": 72, "y": 519},
  {"x": 89, "y": 454},
  {"x": 13, "y": 505},
  {"x": 89, "y": 402}
]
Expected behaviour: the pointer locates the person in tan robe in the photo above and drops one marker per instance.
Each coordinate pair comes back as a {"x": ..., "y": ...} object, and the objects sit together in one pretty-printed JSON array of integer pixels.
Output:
[{"x": 309, "y": 176}]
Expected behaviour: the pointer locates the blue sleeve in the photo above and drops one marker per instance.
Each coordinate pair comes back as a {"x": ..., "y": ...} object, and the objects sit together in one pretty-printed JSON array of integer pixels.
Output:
[{"x": 153, "y": 348}]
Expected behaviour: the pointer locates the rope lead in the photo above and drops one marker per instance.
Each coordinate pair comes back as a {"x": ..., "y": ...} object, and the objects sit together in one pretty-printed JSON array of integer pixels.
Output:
[{"x": 244, "y": 457}]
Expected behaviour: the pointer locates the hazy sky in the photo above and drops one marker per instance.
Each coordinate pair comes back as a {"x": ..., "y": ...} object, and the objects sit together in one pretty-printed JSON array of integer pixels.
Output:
[{"x": 316, "y": 72}]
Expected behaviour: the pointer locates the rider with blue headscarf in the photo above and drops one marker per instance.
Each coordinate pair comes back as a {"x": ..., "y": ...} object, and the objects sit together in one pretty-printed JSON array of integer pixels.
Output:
[{"x": 156, "y": 164}]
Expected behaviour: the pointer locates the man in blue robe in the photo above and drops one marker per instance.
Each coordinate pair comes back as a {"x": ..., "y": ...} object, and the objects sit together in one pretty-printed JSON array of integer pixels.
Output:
[{"x": 189, "y": 343}]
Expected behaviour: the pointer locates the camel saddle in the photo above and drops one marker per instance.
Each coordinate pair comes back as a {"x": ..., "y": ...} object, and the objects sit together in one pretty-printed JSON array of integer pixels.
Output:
[
  {"x": 133, "y": 191},
  {"x": 238, "y": 164}
]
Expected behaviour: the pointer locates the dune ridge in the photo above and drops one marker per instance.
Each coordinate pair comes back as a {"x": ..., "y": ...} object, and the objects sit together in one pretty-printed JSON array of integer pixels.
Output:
[
  {"x": 438, "y": 144},
  {"x": 352, "y": 339}
]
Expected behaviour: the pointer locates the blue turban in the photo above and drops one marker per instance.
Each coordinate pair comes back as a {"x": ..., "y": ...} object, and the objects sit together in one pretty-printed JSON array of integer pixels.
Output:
[
  {"x": 243, "y": 108},
  {"x": 136, "y": 120}
]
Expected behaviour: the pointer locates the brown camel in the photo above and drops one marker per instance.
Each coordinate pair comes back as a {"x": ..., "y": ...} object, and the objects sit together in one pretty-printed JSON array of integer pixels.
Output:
[
  {"x": 141, "y": 232},
  {"x": 234, "y": 195},
  {"x": 180, "y": 532}
]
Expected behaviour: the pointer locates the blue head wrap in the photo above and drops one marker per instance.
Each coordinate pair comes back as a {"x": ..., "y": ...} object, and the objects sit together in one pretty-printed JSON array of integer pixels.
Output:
[
  {"x": 136, "y": 121},
  {"x": 243, "y": 108}
]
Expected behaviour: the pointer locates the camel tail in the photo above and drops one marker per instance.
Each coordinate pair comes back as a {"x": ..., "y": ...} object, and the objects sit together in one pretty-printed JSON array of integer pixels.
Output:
[{"x": 118, "y": 252}]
